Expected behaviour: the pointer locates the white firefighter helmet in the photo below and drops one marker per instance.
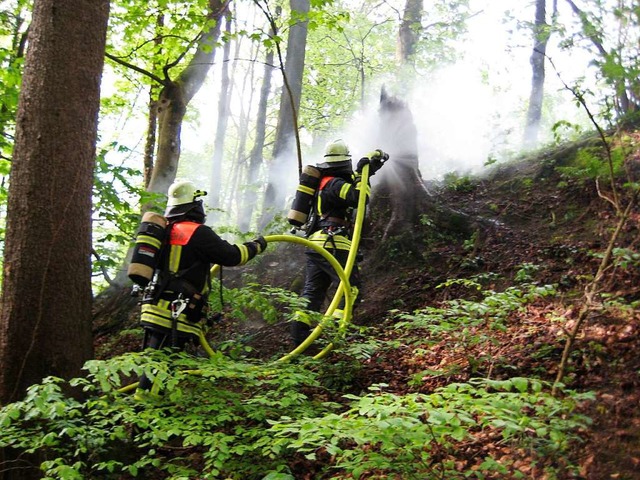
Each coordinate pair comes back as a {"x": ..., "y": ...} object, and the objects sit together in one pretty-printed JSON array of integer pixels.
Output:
[
  {"x": 336, "y": 154},
  {"x": 182, "y": 192}
]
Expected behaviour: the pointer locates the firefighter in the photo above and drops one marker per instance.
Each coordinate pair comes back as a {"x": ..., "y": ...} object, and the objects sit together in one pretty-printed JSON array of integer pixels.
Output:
[
  {"x": 174, "y": 305},
  {"x": 336, "y": 198}
]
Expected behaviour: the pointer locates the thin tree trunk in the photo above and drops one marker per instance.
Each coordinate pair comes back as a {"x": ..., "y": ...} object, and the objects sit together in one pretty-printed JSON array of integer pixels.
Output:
[
  {"x": 286, "y": 143},
  {"x": 226, "y": 88},
  {"x": 256, "y": 157},
  {"x": 152, "y": 120},
  {"x": 174, "y": 98},
  {"x": 150, "y": 141},
  {"x": 240, "y": 172},
  {"x": 541, "y": 34},
  {"x": 409, "y": 32}
]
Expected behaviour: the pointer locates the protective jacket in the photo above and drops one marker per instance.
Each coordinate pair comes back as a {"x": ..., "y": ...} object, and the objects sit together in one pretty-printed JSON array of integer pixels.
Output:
[
  {"x": 336, "y": 199},
  {"x": 184, "y": 274}
]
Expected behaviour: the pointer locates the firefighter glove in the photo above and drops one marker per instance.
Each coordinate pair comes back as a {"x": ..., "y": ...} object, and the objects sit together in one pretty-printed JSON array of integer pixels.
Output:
[
  {"x": 361, "y": 163},
  {"x": 260, "y": 243},
  {"x": 378, "y": 158},
  {"x": 375, "y": 160}
]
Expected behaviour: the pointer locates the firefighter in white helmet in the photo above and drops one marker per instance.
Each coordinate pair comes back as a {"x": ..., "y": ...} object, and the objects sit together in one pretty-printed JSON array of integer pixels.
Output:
[
  {"x": 182, "y": 277},
  {"x": 337, "y": 197}
]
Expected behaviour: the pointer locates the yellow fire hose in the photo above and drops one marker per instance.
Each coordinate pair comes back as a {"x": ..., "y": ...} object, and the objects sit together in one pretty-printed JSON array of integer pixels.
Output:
[
  {"x": 343, "y": 273},
  {"x": 328, "y": 316},
  {"x": 343, "y": 289}
]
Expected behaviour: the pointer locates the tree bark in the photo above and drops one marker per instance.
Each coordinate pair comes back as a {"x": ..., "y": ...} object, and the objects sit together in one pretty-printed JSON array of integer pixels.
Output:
[
  {"x": 410, "y": 30},
  {"x": 45, "y": 319},
  {"x": 45, "y": 313}
]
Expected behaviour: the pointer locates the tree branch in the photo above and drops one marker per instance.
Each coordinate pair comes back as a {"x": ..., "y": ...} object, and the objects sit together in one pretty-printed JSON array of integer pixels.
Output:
[{"x": 131, "y": 66}]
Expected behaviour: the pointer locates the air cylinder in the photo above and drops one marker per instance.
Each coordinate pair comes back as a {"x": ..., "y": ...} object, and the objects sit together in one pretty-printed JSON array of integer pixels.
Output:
[
  {"x": 303, "y": 201},
  {"x": 146, "y": 252}
]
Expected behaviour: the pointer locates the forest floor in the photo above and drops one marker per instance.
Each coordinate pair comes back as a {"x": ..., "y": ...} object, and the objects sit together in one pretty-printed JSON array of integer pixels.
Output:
[{"x": 532, "y": 216}]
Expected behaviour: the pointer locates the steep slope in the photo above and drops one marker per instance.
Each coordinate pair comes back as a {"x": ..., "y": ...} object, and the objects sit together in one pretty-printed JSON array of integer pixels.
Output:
[
  {"x": 545, "y": 228},
  {"x": 537, "y": 223},
  {"x": 535, "y": 226}
]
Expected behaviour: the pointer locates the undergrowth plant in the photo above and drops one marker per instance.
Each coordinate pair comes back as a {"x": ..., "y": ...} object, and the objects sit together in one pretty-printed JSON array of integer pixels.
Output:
[
  {"x": 417, "y": 436},
  {"x": 468, "y": 325},
  {"x": 273, "y": 303},
  {"x": 223, "y": 418},
  {"x": 234, "y": 418},
  {"x": 205, "y": 425},
  {"x": 455, "y": 315}
]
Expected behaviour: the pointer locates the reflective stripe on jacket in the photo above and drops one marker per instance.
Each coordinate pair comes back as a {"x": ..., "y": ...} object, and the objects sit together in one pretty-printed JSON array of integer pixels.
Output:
[
  {"x": 160, "y": 315},
  {"x": 325, "y": 240},
  {"x": 336, "y": 195}
]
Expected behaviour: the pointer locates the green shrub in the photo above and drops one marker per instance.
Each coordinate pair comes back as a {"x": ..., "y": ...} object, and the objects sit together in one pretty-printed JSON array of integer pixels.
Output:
[{"x": 416, "y": 436}]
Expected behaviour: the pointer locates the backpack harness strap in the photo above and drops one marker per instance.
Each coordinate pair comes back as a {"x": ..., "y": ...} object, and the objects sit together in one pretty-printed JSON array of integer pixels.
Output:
[
  {"x": 337, "y": 225},
  {"x": 178, "y": 234}
]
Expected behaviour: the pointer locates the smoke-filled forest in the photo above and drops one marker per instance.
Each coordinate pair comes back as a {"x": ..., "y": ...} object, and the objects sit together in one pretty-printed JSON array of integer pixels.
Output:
[{"x": 481, "y": 319}]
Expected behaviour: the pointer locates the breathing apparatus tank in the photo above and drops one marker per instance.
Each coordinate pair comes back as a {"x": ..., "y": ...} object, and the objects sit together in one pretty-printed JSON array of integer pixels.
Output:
[
  {"x": 146, "y": 252},
  {"x": 305, "y": 193}
]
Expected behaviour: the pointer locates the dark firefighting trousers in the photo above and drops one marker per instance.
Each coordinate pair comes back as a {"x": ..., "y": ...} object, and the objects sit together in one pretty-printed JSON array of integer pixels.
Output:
[
  {"x": 319, "y": 276},
  {"x": 158, "y": 338}
]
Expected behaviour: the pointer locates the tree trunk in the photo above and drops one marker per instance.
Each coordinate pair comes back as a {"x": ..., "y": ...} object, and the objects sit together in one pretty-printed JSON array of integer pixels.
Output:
[
  {"x": 541, "y": 35},
  {"x": 400, "y": 181},
  {"x": 45, "y": 314},
  {"x": 255, "y": 158},
  {"x": 221, "y": 129},
  {"x": 409, "y": 32},
  {"x": 45, "y": 320},
  {"x": 150, "y": 141},
  {"x": 398, "y": 136},
  {"x": 286, "y": 130},
  {"x": 399, "y": 198},
  {"x": 247, "y": 91},
  {"x": 152, "y": 119},
  {"x": 174, "y": 98}
]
